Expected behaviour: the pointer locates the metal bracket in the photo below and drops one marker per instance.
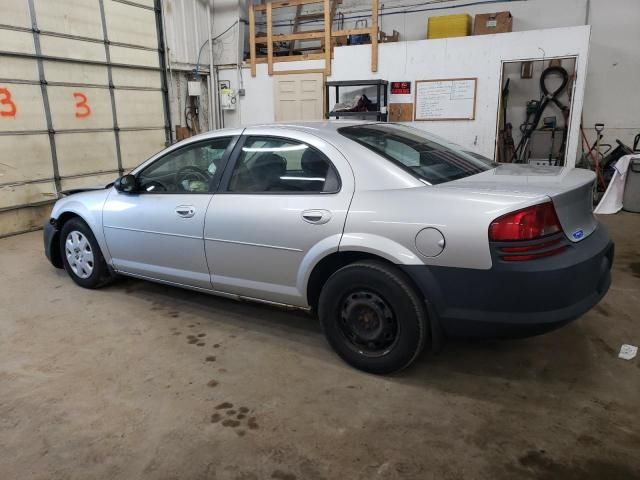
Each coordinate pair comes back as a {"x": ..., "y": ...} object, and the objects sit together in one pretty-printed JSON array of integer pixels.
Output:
[
  {"x": 45, "y": 96},
  {"x": 114, "y": 113}
]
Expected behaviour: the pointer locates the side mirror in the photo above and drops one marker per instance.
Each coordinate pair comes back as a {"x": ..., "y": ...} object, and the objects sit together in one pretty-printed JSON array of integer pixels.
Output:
[{"x": 126, "y": 184}]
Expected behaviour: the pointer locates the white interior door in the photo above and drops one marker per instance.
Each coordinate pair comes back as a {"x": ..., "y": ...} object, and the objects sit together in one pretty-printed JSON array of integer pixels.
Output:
[{"x": 298, "y": 97}]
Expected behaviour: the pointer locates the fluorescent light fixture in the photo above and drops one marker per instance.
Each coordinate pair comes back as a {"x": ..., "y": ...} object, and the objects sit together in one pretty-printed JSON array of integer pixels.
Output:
[{"x": 290, "y": 148}]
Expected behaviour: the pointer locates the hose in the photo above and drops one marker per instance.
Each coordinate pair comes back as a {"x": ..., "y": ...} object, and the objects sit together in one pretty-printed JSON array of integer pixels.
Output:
[{"x": 546, "y": 98}]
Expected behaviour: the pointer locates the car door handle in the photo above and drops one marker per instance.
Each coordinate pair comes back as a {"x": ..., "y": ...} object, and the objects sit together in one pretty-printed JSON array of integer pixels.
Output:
[
  {"x": 317, "y": 217},
  {"x": 185, "y": 211}
]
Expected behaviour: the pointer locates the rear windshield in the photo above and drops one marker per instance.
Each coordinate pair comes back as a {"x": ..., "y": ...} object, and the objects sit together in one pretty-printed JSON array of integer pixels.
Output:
[{"x": 427, "y": 157}]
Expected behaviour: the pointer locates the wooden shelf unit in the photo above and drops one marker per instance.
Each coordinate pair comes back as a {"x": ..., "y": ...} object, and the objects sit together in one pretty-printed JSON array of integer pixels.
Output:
[{"x": 325, "y": 35}]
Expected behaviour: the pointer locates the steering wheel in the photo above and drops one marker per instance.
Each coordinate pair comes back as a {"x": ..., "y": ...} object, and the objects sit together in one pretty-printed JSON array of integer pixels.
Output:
[
  {"x": 153, "y": 186},
  {"x": 191, "y": 173}
]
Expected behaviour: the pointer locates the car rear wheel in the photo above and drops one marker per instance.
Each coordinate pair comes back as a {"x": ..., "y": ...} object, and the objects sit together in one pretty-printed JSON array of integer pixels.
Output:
[
  {"x": 81, "y": 255},
  {"x": 372, "y": 317}
]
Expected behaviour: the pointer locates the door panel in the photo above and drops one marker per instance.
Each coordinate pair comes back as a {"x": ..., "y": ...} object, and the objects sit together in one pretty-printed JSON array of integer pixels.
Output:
[
  {"x": 158, "y": 232},
  {"x": 298, "y": 97},
  {"x": 255, "y": 244},
  {"x": 146, "y": 236},
  {"x": 259, "y": 231}
]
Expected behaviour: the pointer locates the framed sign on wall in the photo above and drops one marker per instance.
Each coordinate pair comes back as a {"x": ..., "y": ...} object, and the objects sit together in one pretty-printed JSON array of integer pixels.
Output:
[
  {"x": 445, "y": 99},
  {"x": 400, "y": 88}
]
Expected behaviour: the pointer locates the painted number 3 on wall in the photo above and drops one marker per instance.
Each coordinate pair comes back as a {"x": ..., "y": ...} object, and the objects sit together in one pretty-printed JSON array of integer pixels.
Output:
[
  {"x": 8, "y": 107},
  {"x": 82, "y": 107}
]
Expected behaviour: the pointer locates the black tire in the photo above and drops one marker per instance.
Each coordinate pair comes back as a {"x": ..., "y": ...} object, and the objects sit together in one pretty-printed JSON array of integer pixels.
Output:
[
  {"x": 372, "y": 317},
  {"x": 98, "y": 274}
]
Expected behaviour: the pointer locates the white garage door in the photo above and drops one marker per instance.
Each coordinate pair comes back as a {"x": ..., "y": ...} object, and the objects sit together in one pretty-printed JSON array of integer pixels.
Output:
[{"x": 82, "y": 99}]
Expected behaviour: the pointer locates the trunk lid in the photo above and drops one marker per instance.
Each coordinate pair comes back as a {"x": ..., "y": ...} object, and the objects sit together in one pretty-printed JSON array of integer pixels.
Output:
[{"x": 570, "y": 189}]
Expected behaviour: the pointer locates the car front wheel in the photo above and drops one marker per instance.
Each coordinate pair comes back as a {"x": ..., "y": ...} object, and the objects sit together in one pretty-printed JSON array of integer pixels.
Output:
[
  {"x": 81, "y": 255},
  {"x": 372, "y": 317}
]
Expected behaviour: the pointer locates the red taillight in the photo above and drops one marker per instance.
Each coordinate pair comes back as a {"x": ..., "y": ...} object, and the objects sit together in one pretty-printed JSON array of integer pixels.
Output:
[{"x": 527, "y": 224}]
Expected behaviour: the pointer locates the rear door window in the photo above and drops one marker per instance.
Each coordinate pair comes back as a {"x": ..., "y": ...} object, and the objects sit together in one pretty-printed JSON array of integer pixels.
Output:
[
  {"x": 424, "y": 156},
  {"x": 281, "y": 165}
]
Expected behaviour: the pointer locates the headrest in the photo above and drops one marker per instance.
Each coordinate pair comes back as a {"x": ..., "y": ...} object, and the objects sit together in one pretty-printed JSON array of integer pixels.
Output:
[{"x": 270, "y": 164}]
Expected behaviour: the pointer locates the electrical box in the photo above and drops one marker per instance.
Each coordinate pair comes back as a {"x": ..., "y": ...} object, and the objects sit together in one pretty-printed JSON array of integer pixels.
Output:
[
  {"x": 228, "y": 99},
  {"x": 193, "y": 88}
]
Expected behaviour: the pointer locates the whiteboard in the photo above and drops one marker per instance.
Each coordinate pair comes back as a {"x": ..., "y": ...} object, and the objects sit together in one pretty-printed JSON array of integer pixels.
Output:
[{"x": 453, "y": 99}]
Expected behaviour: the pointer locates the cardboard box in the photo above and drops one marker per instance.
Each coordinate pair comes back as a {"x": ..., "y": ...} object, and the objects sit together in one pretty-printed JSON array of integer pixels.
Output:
[
  {"x": 394, "y": 37},
  {"x": 488, "y": 23}
]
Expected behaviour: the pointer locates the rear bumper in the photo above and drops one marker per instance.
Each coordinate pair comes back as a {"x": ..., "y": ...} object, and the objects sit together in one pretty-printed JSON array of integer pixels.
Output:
[{"x": 515, "y": 299}]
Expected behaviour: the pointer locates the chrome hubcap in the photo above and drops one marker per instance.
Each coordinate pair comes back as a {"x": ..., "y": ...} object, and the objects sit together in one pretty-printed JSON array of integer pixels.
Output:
[{"x": 79, "y": 254}]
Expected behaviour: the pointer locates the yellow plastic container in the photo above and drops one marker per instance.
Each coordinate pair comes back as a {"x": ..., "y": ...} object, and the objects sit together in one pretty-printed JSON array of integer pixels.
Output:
[{"x": 449, "y": 26}]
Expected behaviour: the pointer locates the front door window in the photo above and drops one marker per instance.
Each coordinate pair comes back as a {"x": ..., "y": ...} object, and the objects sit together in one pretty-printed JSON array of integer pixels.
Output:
[{"x": 192, "y": 169}]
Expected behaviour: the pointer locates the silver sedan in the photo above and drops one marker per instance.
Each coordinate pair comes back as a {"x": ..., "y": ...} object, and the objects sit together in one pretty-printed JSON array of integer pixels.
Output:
[{"x": 395, "y": 238}]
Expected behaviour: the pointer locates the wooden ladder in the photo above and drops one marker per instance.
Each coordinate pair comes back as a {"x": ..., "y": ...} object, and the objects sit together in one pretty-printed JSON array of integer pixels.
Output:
[{"x": 310, "y": 16}]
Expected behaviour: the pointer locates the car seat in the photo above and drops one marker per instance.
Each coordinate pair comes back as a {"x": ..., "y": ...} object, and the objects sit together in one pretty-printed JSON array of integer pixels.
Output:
[{"x": 266, "y": 172}]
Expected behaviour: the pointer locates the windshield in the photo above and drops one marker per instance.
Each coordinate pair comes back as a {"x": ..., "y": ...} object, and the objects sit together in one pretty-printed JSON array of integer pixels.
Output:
[{"x": 431, "y": 159}]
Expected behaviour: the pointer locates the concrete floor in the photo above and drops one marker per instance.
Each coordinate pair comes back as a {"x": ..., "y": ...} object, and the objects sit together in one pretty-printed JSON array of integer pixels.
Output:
[{"x": 106, "y": 384}]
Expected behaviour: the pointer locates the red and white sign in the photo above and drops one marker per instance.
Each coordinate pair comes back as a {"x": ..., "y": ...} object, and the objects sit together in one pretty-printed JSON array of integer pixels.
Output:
[{"x": 400, "y": 88}]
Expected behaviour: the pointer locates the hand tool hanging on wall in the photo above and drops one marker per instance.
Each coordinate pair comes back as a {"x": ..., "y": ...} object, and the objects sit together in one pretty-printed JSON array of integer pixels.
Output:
[
  {"x": 536, "y": 108},
  {"x": 506, "y": 153}
]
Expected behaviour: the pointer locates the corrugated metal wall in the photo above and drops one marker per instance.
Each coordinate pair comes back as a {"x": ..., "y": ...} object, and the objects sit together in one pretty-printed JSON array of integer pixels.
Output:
[
  {"x": 82, "y": 98},
  {"x": 186, "y": 29}
]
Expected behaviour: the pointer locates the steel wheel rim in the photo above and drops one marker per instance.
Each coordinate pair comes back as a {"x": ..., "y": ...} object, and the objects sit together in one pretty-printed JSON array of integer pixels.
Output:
[
  {"x": 368, "y": 323},
  {"x": 79, "y": 254}
]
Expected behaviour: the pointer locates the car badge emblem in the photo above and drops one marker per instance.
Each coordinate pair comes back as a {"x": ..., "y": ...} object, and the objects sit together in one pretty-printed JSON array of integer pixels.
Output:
[{"x": 578, "y": 234}]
